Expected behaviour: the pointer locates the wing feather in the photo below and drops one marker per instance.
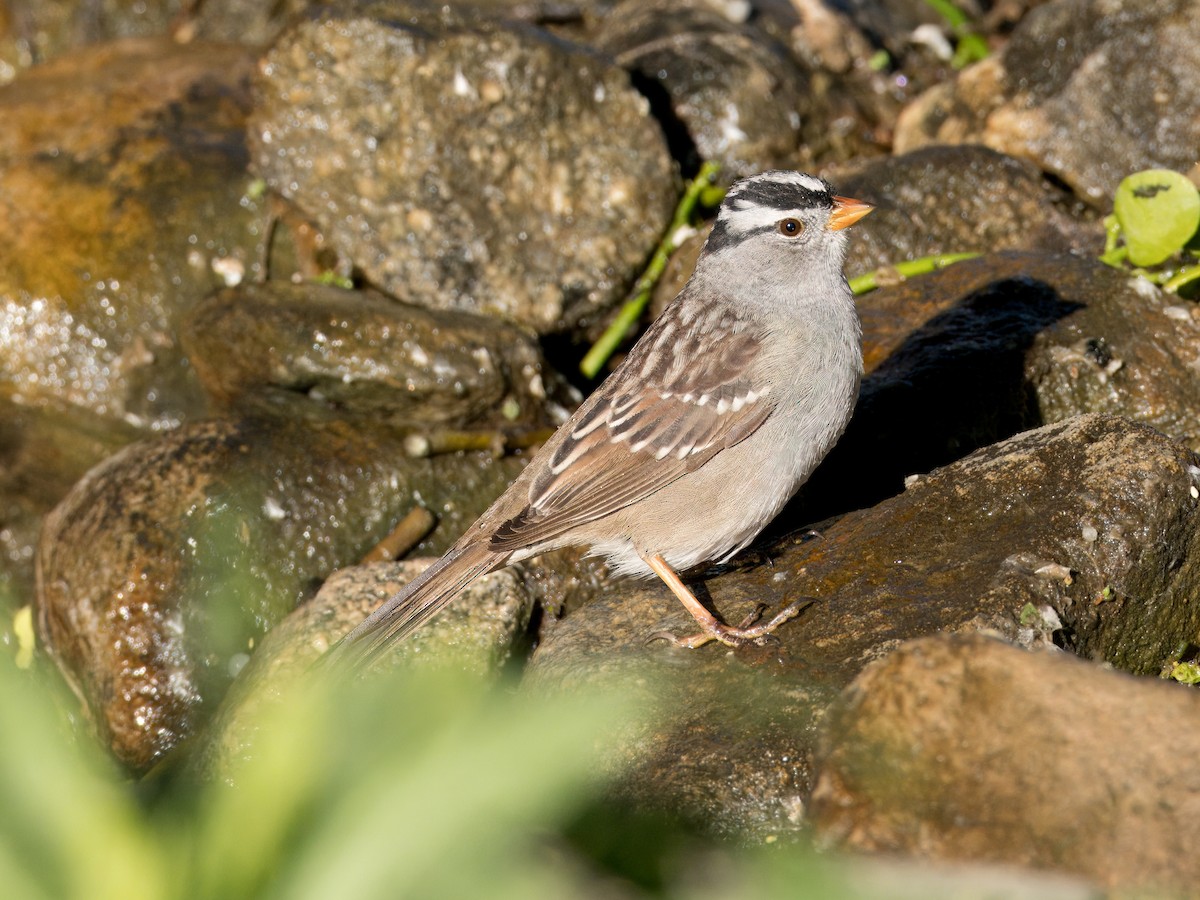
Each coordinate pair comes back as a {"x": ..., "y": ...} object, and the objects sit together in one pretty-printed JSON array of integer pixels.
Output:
[{"x": 652, "y": 410}]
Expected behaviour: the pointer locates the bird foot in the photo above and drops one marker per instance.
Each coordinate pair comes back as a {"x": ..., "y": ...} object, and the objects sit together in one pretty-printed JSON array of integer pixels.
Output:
[{"x": 746, "y": 632}]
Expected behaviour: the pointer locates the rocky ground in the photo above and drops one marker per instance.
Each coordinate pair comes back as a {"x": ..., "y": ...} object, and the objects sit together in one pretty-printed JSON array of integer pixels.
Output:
[{"x": 271, "y": 278}]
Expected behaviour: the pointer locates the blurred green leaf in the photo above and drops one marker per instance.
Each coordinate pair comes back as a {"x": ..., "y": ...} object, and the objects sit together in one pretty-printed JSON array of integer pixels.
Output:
[
  {"x": 68, "y": 829},
  {"x": 455, "y": 786},
  {"x": 1159, "y": 212}
]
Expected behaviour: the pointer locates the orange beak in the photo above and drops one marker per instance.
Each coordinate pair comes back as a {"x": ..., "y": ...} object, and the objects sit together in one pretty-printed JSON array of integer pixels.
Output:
[{"x": 846, "y": 212}]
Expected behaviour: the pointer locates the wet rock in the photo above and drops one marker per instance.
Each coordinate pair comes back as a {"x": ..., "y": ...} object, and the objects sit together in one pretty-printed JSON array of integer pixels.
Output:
[
  {"x": 1088, "y": 90},
  {"x": 32, "y": 34},
  {"x": 961, "y": 747},
  {"x": 892, "y": 22},
  {"x": 35, "y": 33},
  {"x": 244, "y": 21},
  {"x": 462, "y": 163},
  {"x": 122, "y": 170},
  {"x": 1084, "y": 534},
  {"x": 165, "y": 562},
  {"x": 986, "y": 348},
  {"x": 295, "y": 349},
  {"x": 478, "y": 632},
  {"x": 725, "y": 91},
  {"x": 958, "y": 200},
  {"x": 43, "y": 452}
]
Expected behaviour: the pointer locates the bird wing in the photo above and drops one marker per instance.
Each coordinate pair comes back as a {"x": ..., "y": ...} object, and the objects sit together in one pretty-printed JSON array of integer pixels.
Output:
[{"x": 675, "y": 402}]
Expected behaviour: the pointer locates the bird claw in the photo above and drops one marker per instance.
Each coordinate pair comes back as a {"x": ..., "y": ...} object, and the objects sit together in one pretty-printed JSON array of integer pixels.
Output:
[
  {"x": 690, "y": 642},
  {"x": 747, "y": 632}
]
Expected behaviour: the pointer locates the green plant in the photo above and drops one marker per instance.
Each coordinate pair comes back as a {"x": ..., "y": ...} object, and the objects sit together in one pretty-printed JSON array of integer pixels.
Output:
[
  {"x": 869, "y": 281},
  {"x": 702, "y": 193},
  {"x": 1153, "y": 228},
  {"x": 401, "y": 785},
  {"x": 971, "y": 46}
]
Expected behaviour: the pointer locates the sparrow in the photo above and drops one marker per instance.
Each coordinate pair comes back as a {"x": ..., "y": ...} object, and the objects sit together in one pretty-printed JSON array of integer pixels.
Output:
[{"x": 717, "y": 416}]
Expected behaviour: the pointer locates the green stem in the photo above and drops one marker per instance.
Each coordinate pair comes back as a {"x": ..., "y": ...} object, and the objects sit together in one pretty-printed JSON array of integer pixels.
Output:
[
  {"x": 699, "y": 192},
  {"x": 869, "y": 281},
  {"x": 1184, "y": 276},
  {"x": 971, "y": 46},
  {"x": 954, "y": 16}
]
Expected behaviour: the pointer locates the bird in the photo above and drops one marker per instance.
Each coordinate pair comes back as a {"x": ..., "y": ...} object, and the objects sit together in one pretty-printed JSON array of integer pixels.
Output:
[{"x": 715, "y": 418}]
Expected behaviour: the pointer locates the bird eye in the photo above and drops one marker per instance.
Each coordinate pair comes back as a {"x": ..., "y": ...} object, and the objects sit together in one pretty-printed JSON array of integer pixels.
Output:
[{"x": 790, "y": 227}]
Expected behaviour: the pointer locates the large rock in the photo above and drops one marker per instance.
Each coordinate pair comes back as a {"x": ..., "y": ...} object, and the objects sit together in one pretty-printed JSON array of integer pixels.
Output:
[
  {"x": 1089, "y": 90},
  {"x": 309, "y": 349},
  {"x": 464, "y": 163},
  {"x": 161, "y": 569},
  {"x": 725, "y": 90},
  {"x": 979, "y": 351},
  {"x": 123, "y": 180},
  {"x": 43, "y": 452},
  {"x": 963, "y": 748},
  {"x": 958, "y": 199},
  {"x": 1084, "y": 534}
]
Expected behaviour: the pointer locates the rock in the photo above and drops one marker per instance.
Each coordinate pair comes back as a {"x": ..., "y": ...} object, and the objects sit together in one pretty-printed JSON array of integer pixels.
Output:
[
  {"x": 32, "y": 34},
  {"x": 892, "y": 22},
  {"x": 162, "y": 566},
  {"x": 464, "y": 163},
  {"x": 961, "y": 747},
  {"x": 43, "y": 452},
  {"x": 244, "y": 21},
  {"x": 478, "y": 632},
  {"x": 962, "y": 358},
  {"x": 959, "y": 200},
  {"x": 293, "y": 350},
  {"x": 724, "y": 90},
  {"x": 122, "y": 173},
  {"x": 1089, "y": 90},
  {"x": 1083, "y": 534}
]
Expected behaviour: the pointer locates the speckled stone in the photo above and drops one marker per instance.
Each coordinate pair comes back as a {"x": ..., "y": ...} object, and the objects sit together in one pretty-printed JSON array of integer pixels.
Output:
[
  {"x": 123, "y": 180},
  {"x": 164, "y": 563},
  {"x": 1089, "y": 90},
  {"x": 310, "y": 349},
  {"x": 464, "y": 163}
]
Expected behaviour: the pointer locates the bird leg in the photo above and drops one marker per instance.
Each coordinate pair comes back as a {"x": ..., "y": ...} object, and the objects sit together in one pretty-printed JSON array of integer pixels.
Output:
[{"x": 712, "y": 628}]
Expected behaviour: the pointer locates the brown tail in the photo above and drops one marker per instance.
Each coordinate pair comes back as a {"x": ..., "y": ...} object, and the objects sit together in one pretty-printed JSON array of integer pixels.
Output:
[{"x": 420, "y": 600}]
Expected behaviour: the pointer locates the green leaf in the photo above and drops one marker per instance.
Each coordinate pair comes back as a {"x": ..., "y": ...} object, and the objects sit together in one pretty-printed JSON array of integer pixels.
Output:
[
  {"x": 1159, "y": 212},
  {"x": 1186, "y": 672}
]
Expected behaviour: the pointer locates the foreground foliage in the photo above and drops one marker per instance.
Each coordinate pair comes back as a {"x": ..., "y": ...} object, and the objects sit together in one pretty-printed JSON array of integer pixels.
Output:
[{"x": 399, "y": 786}]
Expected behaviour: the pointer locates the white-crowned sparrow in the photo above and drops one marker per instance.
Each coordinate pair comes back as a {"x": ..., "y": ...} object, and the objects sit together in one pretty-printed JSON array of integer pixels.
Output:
[{"x": 718, "y": 415}]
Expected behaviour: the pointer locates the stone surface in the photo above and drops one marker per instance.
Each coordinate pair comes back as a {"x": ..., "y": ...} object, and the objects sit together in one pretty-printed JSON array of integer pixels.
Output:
[
  {"x": 310, "y": 349},
  {"x": 463, "y": 163},
  {"x": 43, "y": 452},
  {"x": 964, "y": 748},
  {"x": 122, "y": 174},
  {"x": 970, "y": 355},
  {"x": 245, "y": 21},
  {"x": 1089, "y": 90},
  {"x": 1083, "y": 534},
  {"x": 32, "y": 34},
  {"x": 959, "y": 199},
  {"x": 162, "y": 566},
  {"x": 723, "y": 89}
]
